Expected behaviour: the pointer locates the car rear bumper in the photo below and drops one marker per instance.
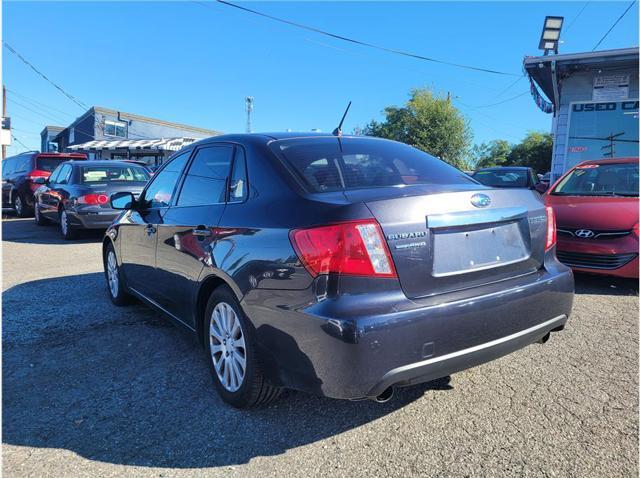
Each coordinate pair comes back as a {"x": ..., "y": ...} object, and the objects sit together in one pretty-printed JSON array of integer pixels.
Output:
[
  {"x": 431, "y": 369},
  {"x": 343, "y": 348},
  {"x": 95, "y": 218}
]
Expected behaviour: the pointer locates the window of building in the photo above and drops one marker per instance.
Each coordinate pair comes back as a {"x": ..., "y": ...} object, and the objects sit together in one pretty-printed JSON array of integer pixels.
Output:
[
  {"x": 72, "y": 135},
  {"x": 600, "y": 130},
  {"x": 115, "y": 128}
]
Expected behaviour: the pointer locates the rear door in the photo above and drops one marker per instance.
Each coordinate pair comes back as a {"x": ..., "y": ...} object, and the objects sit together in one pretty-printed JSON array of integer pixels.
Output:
[
  {"x": 56, "y": 192},
  {"x": 138, "y": 230},
  {"x": 188, "y": 232}
]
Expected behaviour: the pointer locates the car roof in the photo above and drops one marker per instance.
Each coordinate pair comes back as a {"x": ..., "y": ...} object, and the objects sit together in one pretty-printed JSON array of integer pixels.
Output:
[
  {"x": 102, "y": 162},
  {"x": 264, "y": 138},
  {"x": 610, "y": 161}
]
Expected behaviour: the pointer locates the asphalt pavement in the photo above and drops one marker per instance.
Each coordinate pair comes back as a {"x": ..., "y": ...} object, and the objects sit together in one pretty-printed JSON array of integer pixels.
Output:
[{"x": 90, "y": 389}]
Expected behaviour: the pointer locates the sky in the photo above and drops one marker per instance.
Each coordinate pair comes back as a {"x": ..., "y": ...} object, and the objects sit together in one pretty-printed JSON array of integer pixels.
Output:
[{"x": 192, "y": 63}]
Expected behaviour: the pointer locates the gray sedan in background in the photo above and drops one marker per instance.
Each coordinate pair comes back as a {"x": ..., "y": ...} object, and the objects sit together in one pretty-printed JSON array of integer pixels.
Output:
[{"x": 76, "y": 195}]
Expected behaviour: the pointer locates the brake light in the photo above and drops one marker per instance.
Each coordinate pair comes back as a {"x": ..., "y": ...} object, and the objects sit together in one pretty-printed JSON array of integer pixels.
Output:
[
  {"x": 551, "y": 229},
  {"x": 635, "y": 230},
  {"x": 350, "y": 248},
  {"x": 93, "y": 199}
]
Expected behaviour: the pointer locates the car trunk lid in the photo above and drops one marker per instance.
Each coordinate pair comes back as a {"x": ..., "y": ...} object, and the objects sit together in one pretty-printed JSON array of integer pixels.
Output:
[{"x": 441, "y": 242}]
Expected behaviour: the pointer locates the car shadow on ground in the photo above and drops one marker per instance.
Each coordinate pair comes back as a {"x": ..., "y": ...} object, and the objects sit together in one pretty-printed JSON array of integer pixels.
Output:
[
  {"x": 24, "y": 230},
  {"x": 604, "y": 285},
  {"x": 121, "y": 385}
]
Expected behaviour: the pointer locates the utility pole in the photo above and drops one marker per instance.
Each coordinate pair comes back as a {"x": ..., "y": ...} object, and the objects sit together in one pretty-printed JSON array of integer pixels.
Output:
[
  {"x": 249, "y": 103},
  {"x": 4, "y": 115}
]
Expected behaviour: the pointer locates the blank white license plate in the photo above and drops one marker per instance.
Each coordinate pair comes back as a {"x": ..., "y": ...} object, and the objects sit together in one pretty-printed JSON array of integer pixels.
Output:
[{"x": 466, "y": 251}]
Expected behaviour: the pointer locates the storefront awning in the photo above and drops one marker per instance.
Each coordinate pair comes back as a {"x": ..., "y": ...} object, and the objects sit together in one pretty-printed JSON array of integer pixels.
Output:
[{"x": 159, "y": 144}]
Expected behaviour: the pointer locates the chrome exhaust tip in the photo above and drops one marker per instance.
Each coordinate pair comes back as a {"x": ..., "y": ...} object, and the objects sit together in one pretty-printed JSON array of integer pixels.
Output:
[
  {"x": 544, "y": 338},
  {"x": 384, "y": 396}
]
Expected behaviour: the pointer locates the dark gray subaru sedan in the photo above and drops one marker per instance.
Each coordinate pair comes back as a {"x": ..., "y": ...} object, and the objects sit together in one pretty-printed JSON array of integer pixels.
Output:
[{"x": 340, "y": 266}]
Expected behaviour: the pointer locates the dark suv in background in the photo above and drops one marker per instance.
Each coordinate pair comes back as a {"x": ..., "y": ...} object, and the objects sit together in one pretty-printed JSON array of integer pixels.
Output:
[{"x": 19, "y": 173}]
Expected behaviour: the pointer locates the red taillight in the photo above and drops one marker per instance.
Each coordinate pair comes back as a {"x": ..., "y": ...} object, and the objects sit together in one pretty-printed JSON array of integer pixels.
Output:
[
  {"x": 635, "y": 230},
  {"x": 350, "y": 248},
  {"x": 93, "y": 199},
  {"x": 551, "y": 229}
]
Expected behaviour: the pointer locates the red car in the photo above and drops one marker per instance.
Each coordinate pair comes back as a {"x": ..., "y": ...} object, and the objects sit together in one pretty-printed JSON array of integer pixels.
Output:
[{"x": 596, "y": 208}]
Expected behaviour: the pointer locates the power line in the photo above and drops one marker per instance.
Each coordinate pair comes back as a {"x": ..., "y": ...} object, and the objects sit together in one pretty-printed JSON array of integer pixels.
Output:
[
  {"x": 357, "y": 42},
  {"x": 20, "y": 142},
  {"x": 566, "y": 30},
  {"x": 46, "y": 116},
  {"x": 38, "y": 104},
  {"x": 614, "y": 24},
  {"x": 58, "y": 87}
]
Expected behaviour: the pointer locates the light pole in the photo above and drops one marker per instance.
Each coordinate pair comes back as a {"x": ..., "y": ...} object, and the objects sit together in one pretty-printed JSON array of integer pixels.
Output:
[{"x": 249, "y": 104}]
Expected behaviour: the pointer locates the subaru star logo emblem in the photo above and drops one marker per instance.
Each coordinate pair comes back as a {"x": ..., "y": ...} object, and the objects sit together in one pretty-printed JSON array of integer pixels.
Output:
[
  {"x": 584, "y": 233},
  {"x": 480, "y": 200}
]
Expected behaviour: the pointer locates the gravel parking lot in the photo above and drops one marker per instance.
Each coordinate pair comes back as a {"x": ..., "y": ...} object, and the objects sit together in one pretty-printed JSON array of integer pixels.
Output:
[{"x": 94, "y": 390}]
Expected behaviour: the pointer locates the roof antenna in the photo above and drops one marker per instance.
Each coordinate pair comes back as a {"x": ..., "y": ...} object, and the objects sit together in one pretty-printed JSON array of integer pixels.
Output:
[{"x": 338, "y": 130}]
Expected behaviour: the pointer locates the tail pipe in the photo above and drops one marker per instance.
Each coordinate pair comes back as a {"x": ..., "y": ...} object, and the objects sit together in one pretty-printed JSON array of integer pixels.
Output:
[{"x": 384, "y": 396}]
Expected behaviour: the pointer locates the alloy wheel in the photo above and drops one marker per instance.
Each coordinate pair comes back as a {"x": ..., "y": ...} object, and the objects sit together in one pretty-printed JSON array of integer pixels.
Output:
[
  {"x": 18, "y": 205},
  {"x": 227, "y": 346},
  {"x": 112, "y": 273},
  {"x": 64, "y": 226}
]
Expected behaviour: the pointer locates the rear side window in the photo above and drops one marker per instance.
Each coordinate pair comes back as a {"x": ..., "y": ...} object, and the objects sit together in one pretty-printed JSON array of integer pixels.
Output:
[
  {"x": 65, "y": 174},
  {"x": 23, "y": 164},
  {"x": 8, "y": 167},
  {"x": 206, "y": 180},
  {"x": 329, "y": 164},
  {"x": 238, "y": 187}
]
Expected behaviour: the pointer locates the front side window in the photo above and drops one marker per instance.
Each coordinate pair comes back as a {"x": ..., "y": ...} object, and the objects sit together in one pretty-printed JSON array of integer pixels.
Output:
[
  {"x": 160, "y": 191},
  {"x": 206, "y": 180},
  {"x": 332, "y": 164},
  {"x": 115, "y": 128},
  {"x": 619, "y": 179},
  {"x": 105, "y": 174}
]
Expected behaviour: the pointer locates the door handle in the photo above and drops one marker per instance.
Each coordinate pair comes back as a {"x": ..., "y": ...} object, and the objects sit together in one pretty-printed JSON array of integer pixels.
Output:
[
  {"x": 150, "y": 229},
  {"x": 201, "y": 232}
]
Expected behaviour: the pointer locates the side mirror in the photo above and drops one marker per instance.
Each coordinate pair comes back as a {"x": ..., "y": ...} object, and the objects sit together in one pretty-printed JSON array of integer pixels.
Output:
[
  {"x": 122, "y": 200},
  {"x": 542, "y": 187},
  {"x": 40, "y": 180}
]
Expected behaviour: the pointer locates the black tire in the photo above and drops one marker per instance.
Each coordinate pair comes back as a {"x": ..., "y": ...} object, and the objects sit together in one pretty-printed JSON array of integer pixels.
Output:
[
  {"x": 254, "y": 390},
  {"x": 20, "y": 206},
  {"x": 120, "y": 297},
  {"x": 66, "y": 229},
  {"x": 39, "y": 218}
]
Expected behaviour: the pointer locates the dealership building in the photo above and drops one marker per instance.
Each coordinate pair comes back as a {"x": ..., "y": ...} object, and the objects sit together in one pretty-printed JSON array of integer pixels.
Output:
[
  {"x": 104, "y": 133},
  {"x": 593, "y": 98}
]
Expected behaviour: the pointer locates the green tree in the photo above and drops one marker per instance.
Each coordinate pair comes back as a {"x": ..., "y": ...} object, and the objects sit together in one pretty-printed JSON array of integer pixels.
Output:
[
  {"x": 494, "y": 153},
  {"x": 535, "y": 151},
  {"x": 429, "y": 123}
]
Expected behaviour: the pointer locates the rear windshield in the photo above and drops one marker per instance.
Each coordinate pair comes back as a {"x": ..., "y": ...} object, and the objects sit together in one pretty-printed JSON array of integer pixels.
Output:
[
  {"x": 49, "y": 164},
  {"x": 600, "y": 180},
  {"x": 503, "y": 179},
  {"x": 102, "y": 174},
  {"x": 329, "y": 164}
]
